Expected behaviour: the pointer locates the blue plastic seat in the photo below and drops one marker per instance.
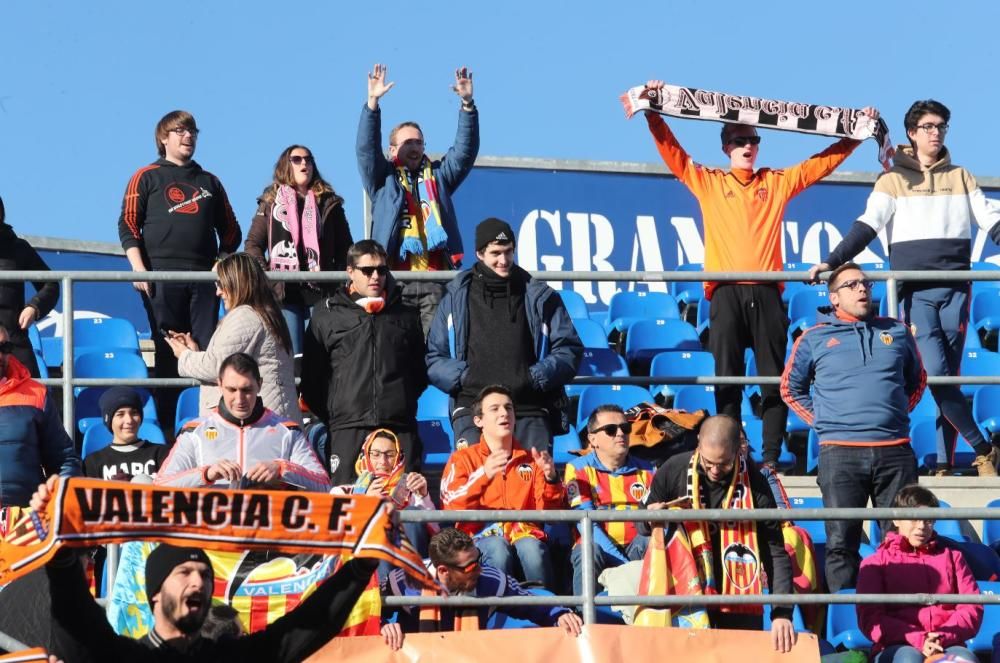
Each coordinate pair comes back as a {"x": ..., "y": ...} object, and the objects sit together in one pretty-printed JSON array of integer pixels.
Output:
[
  {"x": 982, "y": 642},
  {"x": 792, "y": 287},
  {"x": 802, "y": 307},
  {"x": 842, "y": 625},
  {"x": 98, "y": 437},
  {"x": 754, "y": 429},
  {"x": 575, "y": 304},
  {"x": 597, "y": 362},
  {"x": 982, "y": 286},
  {"x": 438, "y": 439},
  {"x": 923, "y": 440},
  {"x": 991, "y": 528},
  {"x": 703, "y": 318},
  {"x": 624, "y": 395},
  {"x": 688, "y": 292},
  {"x": 680, "y": 363},
  {"x": 812, "y": 451},
  {"x": 110, "y": 364},
  {"x": 647, "y": 338},
  {"x": 591, "y": 333},
  {"x": 984, "y": 314},
  {"x": 188, "y": 407},
  {"x": 36, "y": 347},
  {"x": 563, "y": 444},
  {"x": 625, "y": 308},
  {"x": 104, "y": 334},
  {"x": 694, "y": 397},
  {"x": 878, "y": 288},
  {"x": 88, "y": 409},
  {"x": 432, "y": 404},
  {"x": 979, "y": 363},
  {"x": 815, "y": 528}
]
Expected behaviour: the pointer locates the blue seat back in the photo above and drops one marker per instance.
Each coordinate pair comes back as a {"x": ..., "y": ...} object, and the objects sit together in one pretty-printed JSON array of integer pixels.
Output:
[
  {"x": 188, "y": 407},
  {"x": 626, "y": 307},
  {"x": 695, "y": 397},
  {"x": 591, "y": 334},
  {"x": 985, "y": 310},
  {"x": 438, "y": 440},
  {"x": 647, "y": 338},
  {"x": 110, "y": 364},
  {"x": 982, "y": 642},
  {"x": 680, "y": 363},
  {"x": 625, "y": 396},
  {"x": 991, "y": 528},
  {"x": 979, "y": 363},
  {"x": 575, "y": 304},
  {"x": 103, "y": 334},
  {"x": 432, "y": 403},
  {"x": 803, "y": 304},
  {"x": 688, "y": 292},
  {"x": 602, "y": 362},
  {"x": 842, "y": 625}
]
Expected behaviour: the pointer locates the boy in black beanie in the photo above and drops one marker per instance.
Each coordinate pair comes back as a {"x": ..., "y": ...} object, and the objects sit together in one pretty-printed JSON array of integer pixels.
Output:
[{"x": 127, "y": 456}]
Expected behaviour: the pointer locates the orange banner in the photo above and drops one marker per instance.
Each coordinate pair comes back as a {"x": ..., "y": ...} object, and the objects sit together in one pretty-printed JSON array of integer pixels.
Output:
[
  {"x": 26, "y": 656},
  {"x": 88, "y": 512},
  {"x": 544, "y": 645}
]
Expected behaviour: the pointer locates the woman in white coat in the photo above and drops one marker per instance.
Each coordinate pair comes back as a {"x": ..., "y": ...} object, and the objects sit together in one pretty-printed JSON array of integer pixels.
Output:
[{"x": 253, "y": 324}]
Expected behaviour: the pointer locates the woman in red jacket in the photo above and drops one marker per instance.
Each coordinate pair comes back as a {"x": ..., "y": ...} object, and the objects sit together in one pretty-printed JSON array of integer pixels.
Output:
[{"x": 911, "y": 560}]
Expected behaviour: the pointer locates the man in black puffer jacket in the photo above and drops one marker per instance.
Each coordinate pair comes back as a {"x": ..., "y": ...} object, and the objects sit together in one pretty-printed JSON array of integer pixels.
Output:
[{"x": 362, "y": 365}]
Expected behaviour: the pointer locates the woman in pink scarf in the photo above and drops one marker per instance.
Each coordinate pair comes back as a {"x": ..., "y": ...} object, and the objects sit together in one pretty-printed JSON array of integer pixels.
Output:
[{"x": 300, "y": 226}]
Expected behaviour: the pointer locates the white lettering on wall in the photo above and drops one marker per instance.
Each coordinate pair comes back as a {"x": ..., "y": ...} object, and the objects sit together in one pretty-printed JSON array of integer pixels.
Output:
[{"x": 646, "y": 245}]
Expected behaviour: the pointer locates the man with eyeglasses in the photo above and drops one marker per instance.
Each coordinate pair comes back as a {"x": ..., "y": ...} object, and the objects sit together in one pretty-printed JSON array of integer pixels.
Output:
[
  {"x": 176, "y": 217},
  {"x": 33, "y": 442},
  {"x": 361, "y": 367},
  {"x": 457, "y": 565},
  {"x": 742, "y": 213},
  {"x": 716, "y": 475},
  {"x": 608, "y": 477},
  {"x": 854, "y": 378},
  {"x": 413, "y": 216},
  {"x": 929, "y": 207}
]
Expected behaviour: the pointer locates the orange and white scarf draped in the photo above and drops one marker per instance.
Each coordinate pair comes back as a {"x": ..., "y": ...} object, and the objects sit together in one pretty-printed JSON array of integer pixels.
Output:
[
  {"x": 742, "y": 568},
  {"x": 430, "y": 619},
  {"x": 367, "y": 473}
]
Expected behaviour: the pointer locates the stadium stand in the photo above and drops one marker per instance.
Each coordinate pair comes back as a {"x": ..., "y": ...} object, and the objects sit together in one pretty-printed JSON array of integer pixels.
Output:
[
  {"x": 627, "y": 307},
  {"x": 575, "y": 304}
]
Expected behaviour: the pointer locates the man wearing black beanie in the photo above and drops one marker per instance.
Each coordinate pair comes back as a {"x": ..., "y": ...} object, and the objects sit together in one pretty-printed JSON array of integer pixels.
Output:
[{"x": 496, "y": 325}]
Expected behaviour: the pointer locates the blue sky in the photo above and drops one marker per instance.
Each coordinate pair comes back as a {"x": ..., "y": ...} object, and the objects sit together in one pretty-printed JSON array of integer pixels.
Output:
[{"x": 83, "y": 84}]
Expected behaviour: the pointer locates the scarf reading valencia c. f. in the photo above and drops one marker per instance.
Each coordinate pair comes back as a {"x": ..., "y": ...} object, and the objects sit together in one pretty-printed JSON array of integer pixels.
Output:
[
  {"x": 697, "y": 104},
  {"x": 742, "y": 569},
  {"x": 88, "y": 512},
  {"x": 422, "y": 215}
]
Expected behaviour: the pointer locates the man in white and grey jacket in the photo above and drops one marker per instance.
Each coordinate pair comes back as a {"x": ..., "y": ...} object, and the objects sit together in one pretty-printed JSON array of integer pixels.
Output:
[{"x": 242, "y": 443}]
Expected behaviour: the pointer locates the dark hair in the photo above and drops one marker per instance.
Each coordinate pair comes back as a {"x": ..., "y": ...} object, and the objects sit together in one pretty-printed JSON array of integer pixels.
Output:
[
  {"x": 222, "y": 623},
  {"x": 403, "y": 125},
  {"x": 172, "y": 120},
  {"x": 366, "y": 247},
  {"x": 246, "y": 284},
  {"x": 446, "y": 544},
  {"x": 600, "y": 409},
  {"x": 477, "y": 405},
  {"x": 3, "y": 212},
  {"x": 921, "y": 108},
  {"x": 727, "y": 130},
  {"x": 914, "y": 496},
  {"x": 835, "y": 274},
  {"x": 283, "y": 175},
  {"x": 243, "y": 364}
]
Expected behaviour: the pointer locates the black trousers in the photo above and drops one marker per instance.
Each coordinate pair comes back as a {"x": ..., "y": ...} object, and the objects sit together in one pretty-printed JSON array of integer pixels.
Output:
[
  {"x": 750, "y": 316},
  {"x": 345, "y": 445}
]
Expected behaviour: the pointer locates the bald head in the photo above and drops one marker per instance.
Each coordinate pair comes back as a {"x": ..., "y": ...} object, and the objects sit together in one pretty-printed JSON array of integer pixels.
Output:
[{"x": 720, "y": 430}]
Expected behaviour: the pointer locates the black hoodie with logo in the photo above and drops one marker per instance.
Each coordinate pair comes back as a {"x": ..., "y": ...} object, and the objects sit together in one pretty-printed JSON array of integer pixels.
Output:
[{"x": 174, "y": 214}]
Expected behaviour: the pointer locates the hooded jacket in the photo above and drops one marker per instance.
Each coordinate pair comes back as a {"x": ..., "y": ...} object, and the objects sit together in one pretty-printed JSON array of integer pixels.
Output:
[
  {"x": 32, "y": 438},
  {"x": 17, "y": 254},
  {"x": 364, "y": 370},
  {"x": 557, "y": 347},
  {"x": 928, "y": 213},
  {"x": 899, "y": 568},
  {"x": 855, "y": 381}
]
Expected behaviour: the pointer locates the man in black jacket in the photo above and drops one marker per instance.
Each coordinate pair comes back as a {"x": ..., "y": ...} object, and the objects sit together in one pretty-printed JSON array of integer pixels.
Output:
[
  {"x": 362, "y": 365},
  {"x": 721, "y": 470},
  {"x": 179, "y": 582},
  {"x": 15, "y": 314}
]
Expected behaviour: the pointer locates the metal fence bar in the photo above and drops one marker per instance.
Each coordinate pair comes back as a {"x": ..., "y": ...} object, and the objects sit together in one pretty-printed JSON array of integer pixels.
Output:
[
  {"x": 11, "y": 644},
  {"x": 69, "y": 398},
  {"x": 587, "y": 569},
  {"x": 892, "y": 297}
]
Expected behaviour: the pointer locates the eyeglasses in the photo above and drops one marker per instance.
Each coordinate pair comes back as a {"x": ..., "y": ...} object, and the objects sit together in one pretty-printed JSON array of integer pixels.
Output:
[
  {"x": 612, "y": 429},
  {"x": 368, "y": 270},
  {"x": 375, "y": 454},
  {"x": 853, "y": 284},
  {"x": 722, "y": 466},
  {"x": 928, "y": 127},
  {"x": 6, "y": 347},
  {"x": 298, "y": 159},
  {"x": 471, "y": 566},
  {"x": 180, "y": 131},
  {"x": 743, "y": 141}
]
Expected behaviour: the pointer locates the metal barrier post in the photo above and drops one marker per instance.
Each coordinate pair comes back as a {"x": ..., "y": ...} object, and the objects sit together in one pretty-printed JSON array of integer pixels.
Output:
[
  {"x": 69, "y": 403},
  {"x": 587, "y": 568},
  {"x": 110, "y": 567},
  {"x": 892, "y": 297},
  {"x": 10, "y": 644}
]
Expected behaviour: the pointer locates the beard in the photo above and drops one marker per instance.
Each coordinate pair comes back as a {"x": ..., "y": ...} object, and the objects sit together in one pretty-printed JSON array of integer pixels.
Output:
[{"x": 188, "y": 624}]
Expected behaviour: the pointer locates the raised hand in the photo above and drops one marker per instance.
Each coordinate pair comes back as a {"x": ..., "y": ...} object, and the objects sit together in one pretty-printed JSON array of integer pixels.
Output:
[
  {"x": 463, "y": 84},
  {"x": 495, "y": 463},
  {"x": 544, "y": 461},
  {"x": 377, "y": 87}
]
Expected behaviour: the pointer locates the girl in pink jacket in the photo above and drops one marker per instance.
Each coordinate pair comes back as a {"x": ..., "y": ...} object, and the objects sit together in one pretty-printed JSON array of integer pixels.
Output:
[{"x": 911, "y": 560}]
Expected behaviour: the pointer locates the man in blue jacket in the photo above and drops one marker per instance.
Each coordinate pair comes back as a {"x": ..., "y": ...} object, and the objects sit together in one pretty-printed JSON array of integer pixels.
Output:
[
  {"x": 866, "y": 377},
  {"x": 496, "y": 325},
  {"x": 412, "y": 212}
]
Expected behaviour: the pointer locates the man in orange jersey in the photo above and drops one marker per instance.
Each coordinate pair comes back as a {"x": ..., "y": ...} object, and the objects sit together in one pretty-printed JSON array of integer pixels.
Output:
[
  {"x": 742, "y": 212},
  {"x": 608, "y": 478},
  {"x": 498, "y": 473}
]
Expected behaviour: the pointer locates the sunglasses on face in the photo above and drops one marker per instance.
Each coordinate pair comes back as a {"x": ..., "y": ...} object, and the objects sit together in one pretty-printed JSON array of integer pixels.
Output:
[
  {"x": 471, "y": 566},
  {"x": 612, "y": 429},
  {"x": 856, "y": 284},
  {"x": 743, "y": 141},
  {"x": 368, "y": 270},
  {"x": 299, "y": 160}
]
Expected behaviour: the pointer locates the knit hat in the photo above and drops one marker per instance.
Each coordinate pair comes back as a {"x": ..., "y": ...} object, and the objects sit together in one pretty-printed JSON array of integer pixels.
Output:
[
  {"x": 493, "y": 230},
  {"x": 115, "y": 399},
  {"x": 163, "y": 560}
]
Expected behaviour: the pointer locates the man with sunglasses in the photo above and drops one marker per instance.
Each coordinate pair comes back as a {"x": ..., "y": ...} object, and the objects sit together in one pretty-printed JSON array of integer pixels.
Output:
[
  {"x": 457, "y": 566},
  {"x": 854, "y": 378},
  {"x": 608, "y": 477},
  {"x": 716, "y": 475},
  {"x": 32, "y": 438},
  {"x": 742, "y": 212},
  {"x": 176, "y": 217},
  {"x": 361, "y": 364},
  {"x": 929, "y": 207}
]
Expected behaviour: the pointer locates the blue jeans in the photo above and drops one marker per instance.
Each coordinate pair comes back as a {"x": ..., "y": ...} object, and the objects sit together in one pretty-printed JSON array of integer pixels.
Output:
[
  {"x": 530, "y": 554},
  {"x": 636, "y": 549},
  {"x": 908, "y": 654},
  {"x": 848, "y": 476},
  {"x": 296, "y": 316}
]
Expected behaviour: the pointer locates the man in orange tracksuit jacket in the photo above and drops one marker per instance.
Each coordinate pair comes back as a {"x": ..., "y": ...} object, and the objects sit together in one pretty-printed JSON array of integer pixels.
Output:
[
  {"x": 742, "y": 211},
  {"x": 498, "y": 473}
]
